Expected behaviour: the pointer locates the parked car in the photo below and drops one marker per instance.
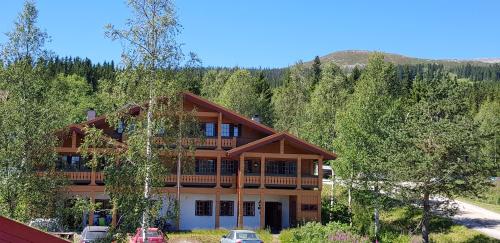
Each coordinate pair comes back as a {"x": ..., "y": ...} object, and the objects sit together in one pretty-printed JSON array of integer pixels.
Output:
[
  {"x": 94, "y": 233},
  {"x": 152, "y": 234},
  {"x": 240, "y": 236}
]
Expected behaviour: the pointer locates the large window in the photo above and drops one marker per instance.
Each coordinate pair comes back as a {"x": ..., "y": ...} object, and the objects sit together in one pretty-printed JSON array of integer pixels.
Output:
[
  {"x": 205, "y": 167},
  {"x": 287, "y": 168},
  {"x": 203, "y": 208},
  {"x": 226, "y": 208},
  {"x": 248, "y": 208},
  {"x": 229, "y": 167},
  {"x": 209, "y": 129},
  {"x": 226, "y": 130},
  {"x": 72, "y": 163}
]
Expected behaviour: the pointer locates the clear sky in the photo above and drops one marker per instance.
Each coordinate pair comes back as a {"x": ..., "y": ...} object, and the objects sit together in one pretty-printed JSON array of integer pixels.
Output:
[{"x": 278, "y": 33}]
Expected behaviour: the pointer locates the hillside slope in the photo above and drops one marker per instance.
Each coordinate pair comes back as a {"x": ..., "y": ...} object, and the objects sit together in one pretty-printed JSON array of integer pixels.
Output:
[{"x": 351, "y": 58}]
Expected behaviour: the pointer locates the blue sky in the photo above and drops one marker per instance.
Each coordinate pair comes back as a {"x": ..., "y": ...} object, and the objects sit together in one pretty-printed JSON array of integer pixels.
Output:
[{"x": 280, "y": 32}]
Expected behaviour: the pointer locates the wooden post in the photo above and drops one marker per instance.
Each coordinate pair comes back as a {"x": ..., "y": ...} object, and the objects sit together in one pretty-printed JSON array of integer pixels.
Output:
[
  {"x": 320, "y": 173},
  {"x": 218, "y": 171},
  {"x": 299, "y": 173},
  {"x": 241, "y": 182},
  {"x": 73, "y": 140},
  {"x": 299, "y": 208},
  {"x": 91, "y": 212},
  {"x": 262, "y": 210},
  {"x": 217, "y": 209},
  {"x": 262, "y": 172},
  {"x": 113, "y": 215},
  {"x": 219, "y": 132},
  {"x": 282, "y": 146},
  {"x": 92, "y": 177}
]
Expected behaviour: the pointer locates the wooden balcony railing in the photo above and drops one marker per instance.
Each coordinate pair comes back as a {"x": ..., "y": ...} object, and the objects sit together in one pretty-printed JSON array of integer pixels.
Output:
[
  {"x": 78, "y": 176},
  {"x": 281, "y": 180},
  {"x": 191, "y": 179},
  {"x": 99, "y": 176},
  {"x": 210, "y": 142},
  {"x": 252, "y": 180},
  {"x": 228, "y": 179},
  {"x": 310, "y": 181}
]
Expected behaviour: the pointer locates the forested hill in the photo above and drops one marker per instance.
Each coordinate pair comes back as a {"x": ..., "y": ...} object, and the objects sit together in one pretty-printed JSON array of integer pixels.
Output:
[{"x": 351, "y": 58}]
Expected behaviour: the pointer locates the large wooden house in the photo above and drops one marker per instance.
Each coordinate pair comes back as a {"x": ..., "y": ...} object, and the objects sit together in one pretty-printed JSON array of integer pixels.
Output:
[{"x": 247, "y": 175}]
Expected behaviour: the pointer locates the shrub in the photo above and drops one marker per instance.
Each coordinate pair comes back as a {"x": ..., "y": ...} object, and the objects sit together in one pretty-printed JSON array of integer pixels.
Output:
[{"x": 313, "y": 232}]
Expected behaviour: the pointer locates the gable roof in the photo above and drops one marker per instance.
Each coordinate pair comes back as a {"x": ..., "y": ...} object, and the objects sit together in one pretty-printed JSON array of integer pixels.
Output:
[
  {"x": 278, "y": 136},
  {"x": 13, "y": 231},
  {"x": 228, "y": 113}
]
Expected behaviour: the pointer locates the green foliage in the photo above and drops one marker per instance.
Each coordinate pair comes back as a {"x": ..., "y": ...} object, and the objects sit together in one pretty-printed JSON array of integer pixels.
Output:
[{"x": 315, "y": 232}]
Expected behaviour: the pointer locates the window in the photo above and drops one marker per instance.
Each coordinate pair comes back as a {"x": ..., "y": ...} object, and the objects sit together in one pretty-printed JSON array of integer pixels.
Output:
[
  {"x": 287, "y": 168},
  {"x": 229, "y": 167},
  {"x": 226, "y": 130},
  {"x": 226, "y": 208},
  {"x": 210, "y": 129},
  {"x": 205, "y": 167},
  {"x": 203, "y": 208},
  {"x": 237, "y": 130},
  {"x": 248, "y": 208},
  {"x": 309, "y": 207},
  {"x": 252, "y": 167}
]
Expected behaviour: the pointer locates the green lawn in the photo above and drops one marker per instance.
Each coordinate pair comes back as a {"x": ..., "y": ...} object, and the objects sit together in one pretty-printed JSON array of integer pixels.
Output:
[{"x": 209, "y": 236}]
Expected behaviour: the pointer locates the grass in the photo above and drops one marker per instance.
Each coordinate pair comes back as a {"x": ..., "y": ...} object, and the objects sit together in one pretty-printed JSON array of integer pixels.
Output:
[
  {"x": 209, "y": 236},
  {"x": 489, "y": 200},
  {"x": 398, "y": 225}
]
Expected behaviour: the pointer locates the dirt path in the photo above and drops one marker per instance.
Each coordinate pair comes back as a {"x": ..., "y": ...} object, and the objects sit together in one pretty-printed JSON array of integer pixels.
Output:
[{"x": 479, "y": 219}]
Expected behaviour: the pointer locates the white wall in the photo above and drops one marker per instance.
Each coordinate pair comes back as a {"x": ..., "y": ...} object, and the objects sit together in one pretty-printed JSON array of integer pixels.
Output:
[{"x": 189, "y": 220}]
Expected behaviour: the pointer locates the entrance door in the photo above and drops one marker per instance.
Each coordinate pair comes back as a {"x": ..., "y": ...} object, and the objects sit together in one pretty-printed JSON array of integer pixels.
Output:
[{"x": 273, "y": 216}]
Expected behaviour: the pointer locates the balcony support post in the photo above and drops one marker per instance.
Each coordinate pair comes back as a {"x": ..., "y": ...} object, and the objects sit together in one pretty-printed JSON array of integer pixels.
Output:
[
  {"x": 217, "y": 209},
  {"x": 91, "y": 211},
  {"x": 219, "y": 132},
  {"x": 73, "y": 140},
  {"x": 320, "y": 185},
  {"x": 92, "y": 177},
  {"x": 299, "y": 173},
  {"x": 262, "y": 172},
  {"x": 241, "y": 181},
  {"x": 218, "y": 171},
  {"x": 299, "y": 208},
  {"x": 262, "y": 210}
]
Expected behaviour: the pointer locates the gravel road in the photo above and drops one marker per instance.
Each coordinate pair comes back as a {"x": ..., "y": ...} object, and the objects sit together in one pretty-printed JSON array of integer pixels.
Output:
[{"x": 479, "y": 219}]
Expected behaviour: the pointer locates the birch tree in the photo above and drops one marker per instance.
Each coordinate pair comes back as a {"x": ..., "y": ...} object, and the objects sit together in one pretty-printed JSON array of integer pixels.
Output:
[{"x": 150, "y": 58}]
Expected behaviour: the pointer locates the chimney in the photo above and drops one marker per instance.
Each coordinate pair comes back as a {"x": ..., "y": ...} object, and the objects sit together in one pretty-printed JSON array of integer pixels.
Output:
[
  {"x": 256, "y": 118},
  {"x": 90, "y": 114}
]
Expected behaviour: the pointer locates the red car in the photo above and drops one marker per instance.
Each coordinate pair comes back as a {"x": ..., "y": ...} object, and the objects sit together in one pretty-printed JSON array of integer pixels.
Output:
[{"x": 152, "y": 234}]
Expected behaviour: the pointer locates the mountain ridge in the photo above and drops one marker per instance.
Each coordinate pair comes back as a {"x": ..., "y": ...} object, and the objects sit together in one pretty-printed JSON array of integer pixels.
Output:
[{"x": 351, "y": 58}]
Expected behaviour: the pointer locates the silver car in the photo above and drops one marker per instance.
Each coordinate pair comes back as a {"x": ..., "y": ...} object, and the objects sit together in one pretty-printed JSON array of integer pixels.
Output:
[
  {"x": 94, "y": 233},
  {"x": 240, "y": 236}
]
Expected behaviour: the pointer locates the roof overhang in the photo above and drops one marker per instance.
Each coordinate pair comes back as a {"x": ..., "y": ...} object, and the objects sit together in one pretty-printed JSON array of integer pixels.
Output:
[{"x": 235, "y": 152}]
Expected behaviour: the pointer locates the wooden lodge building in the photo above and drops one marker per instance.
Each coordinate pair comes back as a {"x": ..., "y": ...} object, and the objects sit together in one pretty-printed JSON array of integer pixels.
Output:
[{"x": 247, "y": 175}]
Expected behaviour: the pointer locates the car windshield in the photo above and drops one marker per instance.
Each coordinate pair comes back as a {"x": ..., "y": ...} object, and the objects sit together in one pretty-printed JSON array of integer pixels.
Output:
[
  {"x": 246, "y": 236},
  {"x": 152, "y": 234},
  {"x": 92, "y": 235}
]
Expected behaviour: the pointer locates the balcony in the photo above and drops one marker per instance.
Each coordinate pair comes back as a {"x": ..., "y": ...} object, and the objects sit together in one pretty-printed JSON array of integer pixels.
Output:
[{"x": 210, "y": 142}]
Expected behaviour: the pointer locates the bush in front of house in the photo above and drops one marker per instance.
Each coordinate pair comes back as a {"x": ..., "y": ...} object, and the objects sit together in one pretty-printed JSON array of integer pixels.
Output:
[{"x": 313, "y": 232}]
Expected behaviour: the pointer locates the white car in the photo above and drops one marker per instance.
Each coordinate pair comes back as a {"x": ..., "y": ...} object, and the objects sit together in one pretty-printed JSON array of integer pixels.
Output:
[{"x": 240, "y": 236}]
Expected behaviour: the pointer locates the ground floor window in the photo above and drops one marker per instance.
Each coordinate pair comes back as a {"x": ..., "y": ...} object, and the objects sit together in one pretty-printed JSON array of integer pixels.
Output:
[
  {"x": 203, "y": 208},
  {"x": 248, "y": 208},
  {"x": 226, "y": 208},
  {"x": 309, "y": 207}
]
